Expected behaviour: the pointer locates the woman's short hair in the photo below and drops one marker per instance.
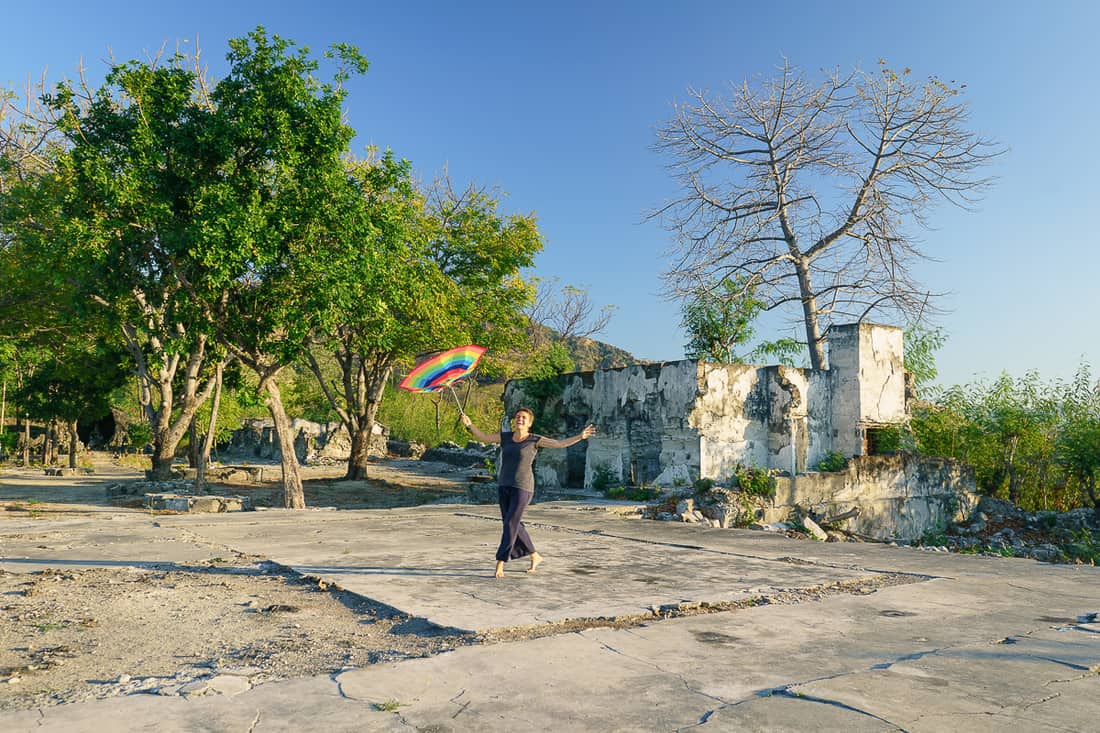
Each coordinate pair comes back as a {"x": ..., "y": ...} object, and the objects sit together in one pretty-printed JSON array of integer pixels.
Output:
[{"x": 530, "y": 414}]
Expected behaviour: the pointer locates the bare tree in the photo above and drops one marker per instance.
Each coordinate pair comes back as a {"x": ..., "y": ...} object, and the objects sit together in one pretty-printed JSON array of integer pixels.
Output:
[
  {"x": 804, "y": 192},
  {"x": 568, "y": 311}
]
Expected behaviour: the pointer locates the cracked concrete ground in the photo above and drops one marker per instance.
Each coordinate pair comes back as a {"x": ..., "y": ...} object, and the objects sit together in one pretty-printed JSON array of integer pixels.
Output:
[{"x": 629, "y": 626}]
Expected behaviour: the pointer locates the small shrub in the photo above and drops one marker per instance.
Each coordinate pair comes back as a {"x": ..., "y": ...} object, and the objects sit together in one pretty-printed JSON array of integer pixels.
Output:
[
  {"x": 704, "y": 485},
  {"x": 934, "y": 537},
  {"x": 139, "y": 434},
  {"x": 833, "y": 461},
  {"x": 755, "y": 481},
  {"x": 386, "y": 707},
  {"x": 1084, "y": 549},
  {"x": 634, "y": 493},
  {"x": 603, "y": 479}
]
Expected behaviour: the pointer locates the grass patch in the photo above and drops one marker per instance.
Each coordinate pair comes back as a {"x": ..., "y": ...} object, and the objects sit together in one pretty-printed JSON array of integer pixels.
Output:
[{"x": 387, "y": 706}]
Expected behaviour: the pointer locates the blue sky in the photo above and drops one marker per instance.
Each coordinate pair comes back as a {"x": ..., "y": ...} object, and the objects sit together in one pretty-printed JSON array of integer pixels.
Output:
[{"x": 556, "y": 104}]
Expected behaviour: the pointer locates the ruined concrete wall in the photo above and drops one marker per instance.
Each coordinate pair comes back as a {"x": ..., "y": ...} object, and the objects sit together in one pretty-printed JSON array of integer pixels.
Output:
[
  {"x": 641, "y": 414},
  {"x": 671, "y": 423},
  {"x": 731, "y": 418},
  {"x": 899, "y": 497},
  {"x": 868, "y": 382},
  {"x": 767, "y": 417}
]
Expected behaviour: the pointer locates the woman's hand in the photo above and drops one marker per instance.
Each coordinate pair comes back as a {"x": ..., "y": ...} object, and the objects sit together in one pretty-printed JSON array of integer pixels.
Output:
[
  {"x": 466, "y": 421},
  {"x": 588, "y": 432}
]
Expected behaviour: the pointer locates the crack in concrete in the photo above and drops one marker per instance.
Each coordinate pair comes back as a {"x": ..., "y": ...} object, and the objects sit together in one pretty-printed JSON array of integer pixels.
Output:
[
  {"x": 1012, "y": 720},
  {"x": 255, "y": 722},
  {"x": 837, "y": 704},
  {"x": 335, "y": 677},
  {"x": 476, "y": 597},
  {"x": 700, "y": 548},
  {"x": 659, "y": 668}
]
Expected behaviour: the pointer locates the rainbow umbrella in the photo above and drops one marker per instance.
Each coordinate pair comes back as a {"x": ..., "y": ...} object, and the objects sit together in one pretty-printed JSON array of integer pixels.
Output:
[{"x": 442, "y": 370}]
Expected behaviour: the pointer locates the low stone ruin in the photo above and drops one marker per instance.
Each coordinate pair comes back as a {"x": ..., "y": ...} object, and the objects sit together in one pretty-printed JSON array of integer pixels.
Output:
[
  {"x": 313, "y": 442},
  {"x": 176, "y": 495}
]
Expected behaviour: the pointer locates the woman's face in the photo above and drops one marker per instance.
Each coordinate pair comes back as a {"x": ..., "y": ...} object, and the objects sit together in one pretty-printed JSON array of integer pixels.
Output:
[{"x": 522, "y": 419}]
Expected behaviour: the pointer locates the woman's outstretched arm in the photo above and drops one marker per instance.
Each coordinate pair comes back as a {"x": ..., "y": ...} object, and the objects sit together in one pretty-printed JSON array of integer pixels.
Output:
[
  {"x": 588, "y": 432},
  {"x": 483, "y": 437}
]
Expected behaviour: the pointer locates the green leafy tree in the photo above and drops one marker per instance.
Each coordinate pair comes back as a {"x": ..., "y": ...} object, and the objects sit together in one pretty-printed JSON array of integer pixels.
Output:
[
  {"x": 921, "y": 344},
  {"x": 428, "y": 273},
  {"x": 105, "y": 218},
  {"x": 1078, "y": 443},
  {"x": 720, "y": 319},
  {"x": 278, "y": 199},
  {"x": 74, "y": 385}
]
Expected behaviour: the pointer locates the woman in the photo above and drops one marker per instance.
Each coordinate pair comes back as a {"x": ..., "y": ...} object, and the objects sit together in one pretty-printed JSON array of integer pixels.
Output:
[{"x": 516, "y": 483}]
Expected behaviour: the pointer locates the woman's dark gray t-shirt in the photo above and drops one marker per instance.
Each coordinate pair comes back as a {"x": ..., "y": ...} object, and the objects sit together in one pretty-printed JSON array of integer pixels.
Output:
[{"x": 516, "y": 460}]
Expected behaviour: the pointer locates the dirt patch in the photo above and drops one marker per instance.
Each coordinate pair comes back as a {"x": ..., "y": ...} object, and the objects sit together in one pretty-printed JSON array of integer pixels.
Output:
[{"x": 68, "y": 636}]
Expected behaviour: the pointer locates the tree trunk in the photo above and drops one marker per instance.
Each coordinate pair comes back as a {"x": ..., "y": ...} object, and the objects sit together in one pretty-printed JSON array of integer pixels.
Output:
[
  {"x": 3, "y": 409},
  {"x": 26, "y": 440},
  {"x": 360, "y": 454},
  {"x": 192, "y": 444},
  {"x": 360, "y": 442},
  {"x": 208, "y": 440},
  {"x": 162, "y": 467},
  {"x": 1010, "y": 468},
  {"x": 814, "y": 343},
  {"x": 49, "y": 446},
  {"x": 163, "y": 455},
  {"x": 293, "y": 495},
  {"x": 73, "y": 441}
]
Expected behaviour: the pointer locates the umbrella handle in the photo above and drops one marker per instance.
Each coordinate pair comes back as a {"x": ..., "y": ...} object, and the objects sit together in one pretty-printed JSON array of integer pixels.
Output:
[{"x": 455, "y": 395}]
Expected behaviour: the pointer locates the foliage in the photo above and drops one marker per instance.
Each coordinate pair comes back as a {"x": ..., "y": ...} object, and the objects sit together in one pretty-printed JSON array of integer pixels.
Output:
[
  {"x": 1028, "y": 441},
  {"x": 139, "y": 435},
  {"x": 1077, "y": 446},
  {"x": 921, "y": 344},
  {"x": 603, "y": 478},
  {"x": 703, "y": 485},
  {"x": 543, "y": 388},
  {"x": 801, "y": 192},
  {"x": 634, "y": 493},
  {"x": 1083, "y": 548},
  {"x": 719, "y": 318},
  {"x": 889, "y": 439},
  {"x": 833, "y": 461},
  {"x": 754, "y": 481}
]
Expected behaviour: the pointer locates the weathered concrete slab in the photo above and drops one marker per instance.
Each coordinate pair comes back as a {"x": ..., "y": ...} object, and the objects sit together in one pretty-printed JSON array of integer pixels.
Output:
[
  {"x": 100, "y": 541},
  {"x": 388, "y": 556},
  {"x": 904, "y": 658},
  {"x": 975, "y": 644}
]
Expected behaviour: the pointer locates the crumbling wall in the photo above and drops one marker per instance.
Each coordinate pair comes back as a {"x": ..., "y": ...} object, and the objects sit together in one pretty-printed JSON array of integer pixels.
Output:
[
  {"x": 641, "y": 415},
  {"x": 673, "y": 422},
  {"x": 897, "y": 496},
  {"x": 866, "y": 362}
]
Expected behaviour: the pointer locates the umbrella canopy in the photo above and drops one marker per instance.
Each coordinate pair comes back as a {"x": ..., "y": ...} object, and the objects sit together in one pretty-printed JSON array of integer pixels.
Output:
[{"x": 442, "y": 370}]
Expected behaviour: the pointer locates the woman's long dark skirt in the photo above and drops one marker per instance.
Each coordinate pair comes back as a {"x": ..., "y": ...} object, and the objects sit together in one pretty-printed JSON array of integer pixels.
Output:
[{"x": 514, "y": 540}]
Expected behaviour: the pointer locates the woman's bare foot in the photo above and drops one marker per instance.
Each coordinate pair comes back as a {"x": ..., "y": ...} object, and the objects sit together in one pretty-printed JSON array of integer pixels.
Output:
[
  {"x": 500, "y": 570},
  {"x": 536, "y": 560}
]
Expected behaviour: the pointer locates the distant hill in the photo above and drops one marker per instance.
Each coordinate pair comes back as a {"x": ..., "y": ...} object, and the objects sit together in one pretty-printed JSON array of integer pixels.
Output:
[{"x": 590, "y": 354}]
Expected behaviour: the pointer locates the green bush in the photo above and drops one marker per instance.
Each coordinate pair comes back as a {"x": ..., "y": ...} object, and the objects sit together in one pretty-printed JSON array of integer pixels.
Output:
[
  {"x": 833, "y": 461},
  {"x": 603, "y": 479},
  {"x": 139, "y": 434},
  {"x": 703, "y": 485},
  {"x": 634, "y": 493},
  {"x": 755, "y": 481}
]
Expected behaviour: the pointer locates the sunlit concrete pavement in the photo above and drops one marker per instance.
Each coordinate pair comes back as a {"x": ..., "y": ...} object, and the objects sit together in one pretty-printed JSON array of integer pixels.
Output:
[{"x": 962, "y": 643}]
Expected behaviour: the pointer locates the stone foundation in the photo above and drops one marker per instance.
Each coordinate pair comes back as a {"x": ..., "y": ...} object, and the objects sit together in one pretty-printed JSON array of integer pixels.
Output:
[{"x": 198, "y": 504}]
